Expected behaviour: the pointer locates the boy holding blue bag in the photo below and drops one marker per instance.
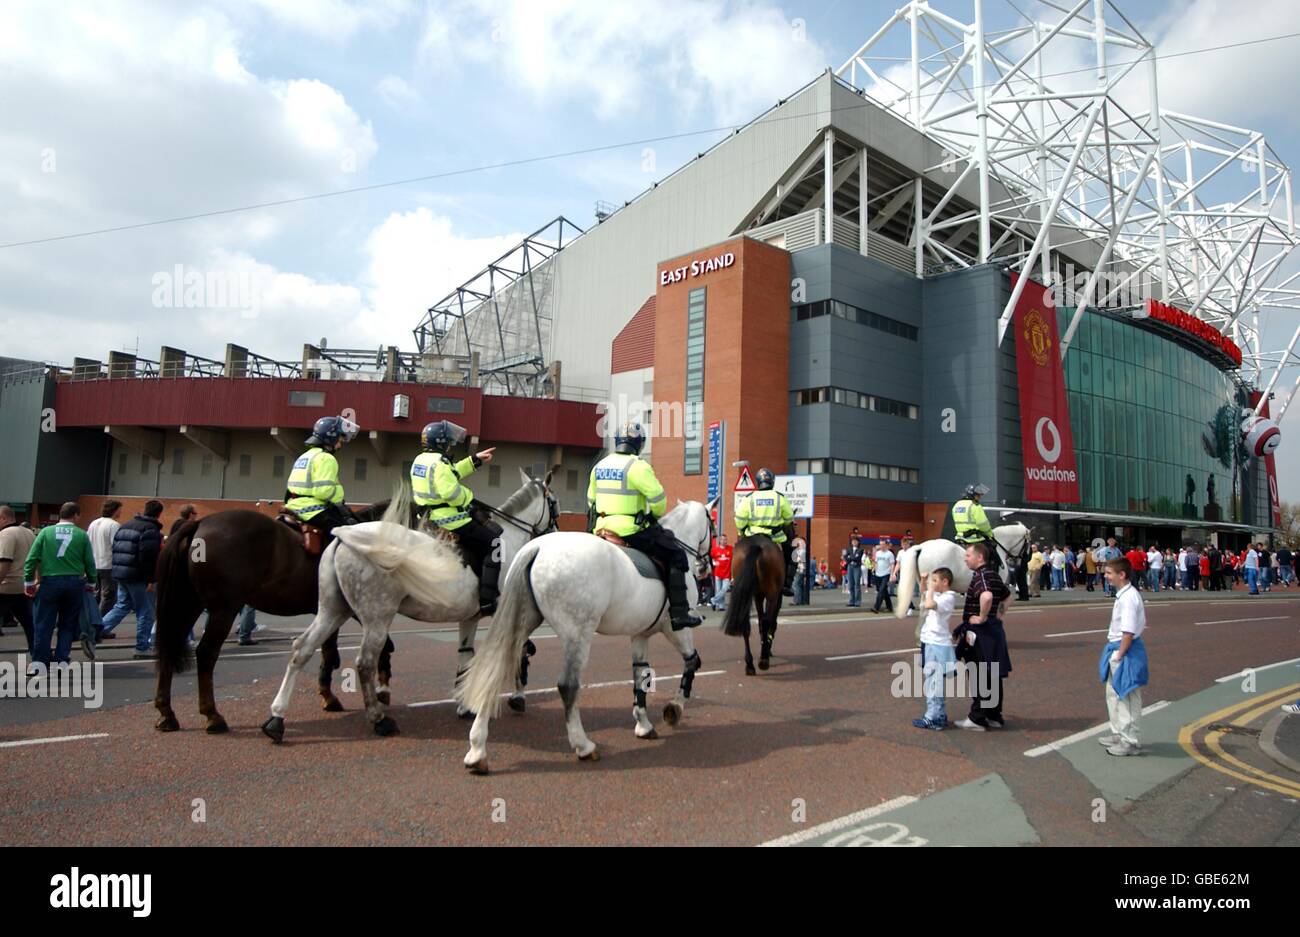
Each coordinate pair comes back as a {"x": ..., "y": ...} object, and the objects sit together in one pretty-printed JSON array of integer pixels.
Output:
[{"x": 1123, "y": 665}]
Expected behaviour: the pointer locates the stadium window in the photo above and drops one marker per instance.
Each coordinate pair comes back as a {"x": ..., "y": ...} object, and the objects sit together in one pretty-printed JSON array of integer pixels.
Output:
[
  {"x": 873, "y": 471},
  {"x": 178, "y": 461},
  {"x": 446, "y": 405},
  {"x": 121, "y": 463},
  {"x": 245, "y": 466},
  {"x": 837, "y": 466},
  {"x": 306, "y": 398},
  {"x": 571, "y": 480},
  {"x": 359, "y": 470},
  {"x": 144, "y": 463},
  {"x": 205, "y": 465},
  {"x": 277, "y": 467},
  {"x": 494, "y": 476},
  {"x": 817, "y": 467}
]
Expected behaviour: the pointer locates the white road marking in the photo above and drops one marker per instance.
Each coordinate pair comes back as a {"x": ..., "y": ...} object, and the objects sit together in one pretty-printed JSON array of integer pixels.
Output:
[
  {"x": 1070, "y": 634},
  {"x": 585, "y": 686},
  {"x": 1240, "y": 674},
  {"x": 831, "y": 826},
  {"x": 61, "y": 738},
  {"x": 1086, "y": 733},
  {"x": 1233, "y": 621},
  {"x": 901, "y": 650}
]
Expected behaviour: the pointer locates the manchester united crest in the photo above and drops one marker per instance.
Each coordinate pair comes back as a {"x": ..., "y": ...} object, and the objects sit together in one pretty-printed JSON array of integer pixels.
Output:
[{"x": 1037, "y": 336}]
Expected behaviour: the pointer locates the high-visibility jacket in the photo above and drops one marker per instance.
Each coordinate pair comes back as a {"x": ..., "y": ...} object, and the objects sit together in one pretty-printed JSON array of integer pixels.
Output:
[
  {"x": 314, "y": 483},
  {"x": 621, "y": 487},
  {"x": 764, "y": 512},
  {"x": 970, "y": 520},
  {"x": 435, "y": 484}
]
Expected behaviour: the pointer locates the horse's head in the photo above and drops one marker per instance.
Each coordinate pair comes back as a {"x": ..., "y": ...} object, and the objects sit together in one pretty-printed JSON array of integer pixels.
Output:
[
  {"x": 536, "y": 503},
  {"x": 1013, "y": 539},
  {"x": 692, "y": 524}
]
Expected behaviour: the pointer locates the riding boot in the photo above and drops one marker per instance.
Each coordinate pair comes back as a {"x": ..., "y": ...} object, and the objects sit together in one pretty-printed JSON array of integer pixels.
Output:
[
  {"x": 487, "y": 586},
  {"x": 787, "y": 552},
  {"x": 679, "y": 608}
]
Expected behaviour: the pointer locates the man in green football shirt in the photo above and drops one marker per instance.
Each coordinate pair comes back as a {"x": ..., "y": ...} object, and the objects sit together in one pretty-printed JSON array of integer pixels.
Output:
[{"x": 67, "y": 567}]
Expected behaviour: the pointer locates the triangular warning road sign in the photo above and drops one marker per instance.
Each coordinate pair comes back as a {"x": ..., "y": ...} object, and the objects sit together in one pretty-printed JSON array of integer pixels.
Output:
[{"x": 745, "y": 482}]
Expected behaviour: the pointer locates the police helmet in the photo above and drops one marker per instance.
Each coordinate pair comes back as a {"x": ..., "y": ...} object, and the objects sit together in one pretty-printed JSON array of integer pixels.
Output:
[
  {"x": 629, "y": 439},
  {"x": 330, "y": 429},
  {"x": 976, "y": 491},
  {"x": 442, "y": 435},
  {"x": 765, "y": 480}
]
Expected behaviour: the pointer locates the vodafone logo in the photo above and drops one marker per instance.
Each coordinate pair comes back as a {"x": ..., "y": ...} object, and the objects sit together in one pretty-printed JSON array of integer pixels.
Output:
[{"x": 1047, "y": 453}]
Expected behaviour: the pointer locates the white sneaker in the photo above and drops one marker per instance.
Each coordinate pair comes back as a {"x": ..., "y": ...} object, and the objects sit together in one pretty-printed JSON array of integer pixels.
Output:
[
  {"x": 972, "y": 726},
  {"x": 1106, "y": 741},
  {"x": 1124, "y": 748}
]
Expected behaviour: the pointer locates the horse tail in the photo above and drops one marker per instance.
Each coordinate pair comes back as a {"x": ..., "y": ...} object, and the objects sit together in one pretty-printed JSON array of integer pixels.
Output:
[
  {"x": 399, "y": 508},
  {"x": 744, "y": 581},
  {"x": 426, "y": 569},
  {"x": 178, "y": 604},
  {"x": 907, "y": 573},
  {"x": 493, "y": 668}
]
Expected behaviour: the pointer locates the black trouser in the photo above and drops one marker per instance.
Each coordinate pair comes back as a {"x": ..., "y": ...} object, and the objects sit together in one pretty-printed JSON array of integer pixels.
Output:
[
  {"x": 482, "y": 541},
  {"x": 660, "y": 544},
  {"x": 20, "y": 607},
  {"x": 331, "y": 516}
]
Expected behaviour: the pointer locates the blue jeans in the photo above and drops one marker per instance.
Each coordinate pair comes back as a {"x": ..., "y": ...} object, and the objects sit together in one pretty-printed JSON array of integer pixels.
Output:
[
  {"x": 135, "y": 597},
  {"x": 1058, "y": 579},
  {"x": 247, "y": 622},
  {"x": 1252, "y": 579},
  {"x": 59, "y": 604},
  {"x": 855, "y": 584},
  {"x": 1153, "y": 579},
  {"x": 720, "y": 588},
  {"x": 939, "y": 661}
]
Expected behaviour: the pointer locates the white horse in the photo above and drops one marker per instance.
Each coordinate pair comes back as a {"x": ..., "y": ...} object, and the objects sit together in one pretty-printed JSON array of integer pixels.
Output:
[
  {"x": 373, "y": 571},
  {"x": 582, "y": 585},
  {"x": 948, "y": 554}
]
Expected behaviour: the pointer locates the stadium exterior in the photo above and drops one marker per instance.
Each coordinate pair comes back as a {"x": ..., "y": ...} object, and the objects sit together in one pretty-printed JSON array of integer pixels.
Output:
[{"x": 838, "y": 282}]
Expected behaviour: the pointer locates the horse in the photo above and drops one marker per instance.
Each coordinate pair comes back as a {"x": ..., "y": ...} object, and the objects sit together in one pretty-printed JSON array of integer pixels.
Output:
[
  {"x": 582, "y": 585},
  {"x": 758, "y": 573},
  {"x": 1010, "y": 539},
  {"x": 223, "y": 562},
  {"x": 373, "y": 571}
]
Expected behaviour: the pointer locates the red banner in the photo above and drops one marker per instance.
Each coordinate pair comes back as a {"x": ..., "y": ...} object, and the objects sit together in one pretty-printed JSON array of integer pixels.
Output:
[{"x": 1051, "y": 475}]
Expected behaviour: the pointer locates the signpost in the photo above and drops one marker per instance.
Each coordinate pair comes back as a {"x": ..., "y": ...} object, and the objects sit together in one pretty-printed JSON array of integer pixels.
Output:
[
  {"x": 717, "y": 452},
  {"x": 744, "y": 485},
  {"x": 798, "y": 489}
]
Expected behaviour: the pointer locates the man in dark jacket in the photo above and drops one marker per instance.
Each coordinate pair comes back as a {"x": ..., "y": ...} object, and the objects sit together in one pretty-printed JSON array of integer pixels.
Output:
[
  {"x": 136, "y": 546},
  {"x": 982, "y": 640}
]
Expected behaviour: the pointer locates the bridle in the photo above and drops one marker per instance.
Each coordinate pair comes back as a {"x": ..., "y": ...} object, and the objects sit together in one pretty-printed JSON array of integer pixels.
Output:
[
  {"x": 550, "y": 514},
  {"x": 705, "y": 555}
]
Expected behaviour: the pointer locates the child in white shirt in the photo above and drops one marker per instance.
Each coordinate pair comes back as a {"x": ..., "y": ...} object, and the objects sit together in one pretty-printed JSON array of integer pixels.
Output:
[{"x": 938, "y": 653}]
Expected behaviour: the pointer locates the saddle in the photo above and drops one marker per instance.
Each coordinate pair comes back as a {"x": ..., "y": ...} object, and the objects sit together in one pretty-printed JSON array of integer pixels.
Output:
[
  {"x": 312, "y": 537},
  {"x": 646, "y": 565}
]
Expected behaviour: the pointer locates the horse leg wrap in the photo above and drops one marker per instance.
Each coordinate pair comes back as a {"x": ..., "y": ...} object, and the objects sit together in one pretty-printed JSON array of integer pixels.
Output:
[
  {"x": 529, "y": 650},
  {"x": 693, "y": 663},
  {"x": 640, "y": 680}
]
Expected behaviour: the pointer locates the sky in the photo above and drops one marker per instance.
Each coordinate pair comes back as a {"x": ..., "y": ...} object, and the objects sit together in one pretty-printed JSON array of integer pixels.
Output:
[{"x": 122, "y": 113}]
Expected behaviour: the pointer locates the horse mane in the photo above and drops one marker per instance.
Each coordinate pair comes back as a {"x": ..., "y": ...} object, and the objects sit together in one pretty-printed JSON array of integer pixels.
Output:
[{"x": 520, "y": 497}]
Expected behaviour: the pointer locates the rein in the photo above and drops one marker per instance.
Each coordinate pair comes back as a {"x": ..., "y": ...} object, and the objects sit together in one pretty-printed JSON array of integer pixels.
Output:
[{"x": 549, "y": 514}]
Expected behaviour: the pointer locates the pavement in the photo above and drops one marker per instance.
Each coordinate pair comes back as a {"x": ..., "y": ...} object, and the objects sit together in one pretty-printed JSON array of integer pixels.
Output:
[{"x": 819, "y": 750}]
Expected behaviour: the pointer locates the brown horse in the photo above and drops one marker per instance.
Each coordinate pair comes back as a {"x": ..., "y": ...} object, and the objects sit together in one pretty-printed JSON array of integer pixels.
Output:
[
  {"x": 223, "y": 562},
  {"x": 757, "y": 575}
]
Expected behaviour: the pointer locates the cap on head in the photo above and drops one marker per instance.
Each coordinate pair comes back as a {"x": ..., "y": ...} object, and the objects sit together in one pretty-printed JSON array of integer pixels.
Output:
[{"x": 629, "y": 439}]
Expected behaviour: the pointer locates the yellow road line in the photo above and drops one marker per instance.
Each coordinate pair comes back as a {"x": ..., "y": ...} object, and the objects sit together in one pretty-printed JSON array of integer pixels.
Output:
[{"x": 1244, "y": 712}]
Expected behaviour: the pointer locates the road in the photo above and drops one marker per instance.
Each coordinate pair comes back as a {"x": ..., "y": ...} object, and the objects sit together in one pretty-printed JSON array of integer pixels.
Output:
[{"x": 816, "y": 751}]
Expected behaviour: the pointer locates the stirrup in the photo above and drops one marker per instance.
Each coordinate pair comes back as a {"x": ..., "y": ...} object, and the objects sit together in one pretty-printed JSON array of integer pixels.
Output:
[{"x": 685, "y": 620}]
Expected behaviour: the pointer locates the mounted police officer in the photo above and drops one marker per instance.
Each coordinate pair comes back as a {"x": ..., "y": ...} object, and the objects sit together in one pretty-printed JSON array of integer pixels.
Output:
[
  {"x": 969, "y": 518},
  {"x": 767, "y": 511},
  {"x": 449, "y": 505},
  {"x": 628, "y": 500},
  {"x": 313, "y": 492}
]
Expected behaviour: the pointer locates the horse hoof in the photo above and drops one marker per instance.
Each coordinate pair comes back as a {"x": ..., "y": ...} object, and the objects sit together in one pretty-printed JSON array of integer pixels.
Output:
[
  {"x": 593, "y": 755},
  {"x": 479, "y": 767},
  {"x": 764, "y": 664},
  {"x": 384, "y": 697},
  {"x": 649, "y": 736},
  {"x": 386, "y": 727},
  {"x": 217, "y": 726},
  {"x": 273, "y": 729},
  {"x": 467, "y": 714},
  {"x": 750, "y": 671},
  {"x": 167, "y": 724},
  {"x": 517, "y": 703},
  {"x": 672, "y": 714},
  {"x": 331, "y": 704}
]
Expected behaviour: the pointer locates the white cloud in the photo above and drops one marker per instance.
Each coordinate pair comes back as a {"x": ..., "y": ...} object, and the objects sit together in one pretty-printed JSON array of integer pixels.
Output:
[
  {"x": 397, "y": 92},
  {"x": 618, "y": 55},
  {"x": 335, "y": 20}
]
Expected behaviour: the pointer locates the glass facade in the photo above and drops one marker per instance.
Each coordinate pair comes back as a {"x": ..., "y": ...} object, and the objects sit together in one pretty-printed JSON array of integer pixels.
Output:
[{"x": 1142, "y": 411}]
